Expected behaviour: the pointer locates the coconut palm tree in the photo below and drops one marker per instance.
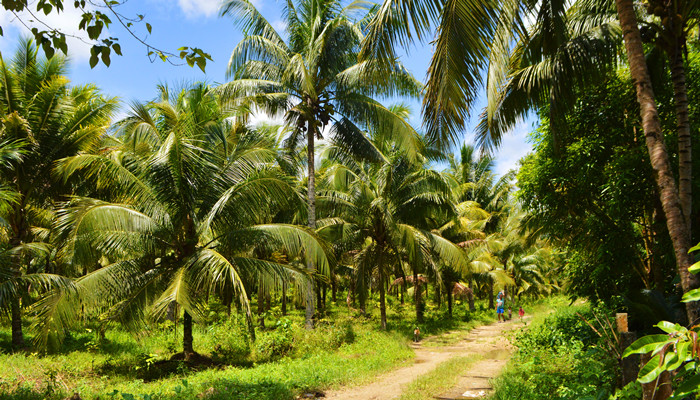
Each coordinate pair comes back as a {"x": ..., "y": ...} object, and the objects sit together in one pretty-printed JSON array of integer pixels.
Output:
[
  {"x": 471, "y": 34},
  {"x": 49, "y": 120},
  {"x": 315, "y": 79},
  {"x": 387, "y": 210},
  {"x": 180, "y": 216}
]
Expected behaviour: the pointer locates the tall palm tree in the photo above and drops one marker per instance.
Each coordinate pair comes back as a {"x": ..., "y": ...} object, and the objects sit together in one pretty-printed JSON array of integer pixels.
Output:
[
  {"x": 471, "y": 34},
  {"x": 51, "y": 120},
  {"x": 314, "y": 78},
  {"x": 180, "y": 216},
  {"x": 668, "y": 190},
  {"x": 387, "y": 209}
]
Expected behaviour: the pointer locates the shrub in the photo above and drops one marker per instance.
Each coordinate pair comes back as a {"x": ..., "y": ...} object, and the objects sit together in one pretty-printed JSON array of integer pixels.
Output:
[{"x": 559, "y": 357}]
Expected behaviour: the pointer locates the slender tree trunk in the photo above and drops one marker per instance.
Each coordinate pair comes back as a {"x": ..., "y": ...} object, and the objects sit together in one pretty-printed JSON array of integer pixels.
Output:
[
  {"x": 284, "y": 299},
  {"x": 319, "y": 298},
  {"x": 491, "y": 305},
  {"x": 685, "y": 164},
  {"x": 310, "y": 307},
  {"x": 417, "y": 297},
  {"x": 471, "y": 296},
  {"x": 17, "y": 334},
  {"x": 403, "y": 284},
  {"x": 382, "y": 298},
  {"x": 334, "y": 288},
  {"x": 261, "y": 307},
  {"x": 187, "y": 340},
  {"x": 449, "y": 301},
  {"x": 677, "y": 226}
]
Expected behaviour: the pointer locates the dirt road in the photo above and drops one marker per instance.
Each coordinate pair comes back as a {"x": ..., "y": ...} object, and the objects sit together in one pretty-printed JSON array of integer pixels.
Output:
[{"x": 488, "y": 341}]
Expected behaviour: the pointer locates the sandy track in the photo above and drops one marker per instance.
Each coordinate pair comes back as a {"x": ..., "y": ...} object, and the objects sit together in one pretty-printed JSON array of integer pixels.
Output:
[{"x": 487, "y": 341}]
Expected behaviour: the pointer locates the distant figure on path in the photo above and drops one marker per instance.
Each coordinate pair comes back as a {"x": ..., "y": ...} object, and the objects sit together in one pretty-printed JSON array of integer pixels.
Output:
[
  {"x": 416, "y": 335},
  {"x": 510, "y": 314},
  {"x": 521, "y": 312},
  {"x": 499, "y": 307}
]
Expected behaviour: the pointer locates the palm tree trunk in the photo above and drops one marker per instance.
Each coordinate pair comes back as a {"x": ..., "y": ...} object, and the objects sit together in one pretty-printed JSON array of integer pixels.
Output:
[
  {"x": 685, "y": 164},
  {"x": 261, "y": 307},
  {"x": 17, "y": 334},
  {"x": 417, "y": 297},
  {"x": 449, "y": 301},
  {"x": 471, "y": 296},
  {"x": 334, "y": 287},
  {"x": 310, "y": 307},
  {"x": 382, "y": 298},
  {"x": 284, "y": 299},
  {"x": 187, "y": 340},
  {"x": 677, "y": 227},
  {"x": 491, "y": 305}
]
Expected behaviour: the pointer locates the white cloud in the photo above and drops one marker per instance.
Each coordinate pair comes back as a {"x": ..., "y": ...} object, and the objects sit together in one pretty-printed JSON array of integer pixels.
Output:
[
  {"x": 514, "y": 146},
  {"x": 196, "y": 8},
  {"x": 67, "y": 22}
]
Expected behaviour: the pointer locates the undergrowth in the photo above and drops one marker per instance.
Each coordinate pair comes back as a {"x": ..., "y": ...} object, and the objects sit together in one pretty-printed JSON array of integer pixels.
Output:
[
  {"x": 559, "y": 357},
  {"x": 284, "y": 360}
]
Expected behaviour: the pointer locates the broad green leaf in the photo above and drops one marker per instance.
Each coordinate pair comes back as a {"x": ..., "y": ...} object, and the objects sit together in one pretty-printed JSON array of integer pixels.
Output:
[
  {"x": 650, "y": 371},
  {"x": 690, "y": 385},
  {"x": 695, "y": 268},
  {"x": 646, "y": 344},
  {"x": 670, "y": 327},
  {"x": 692, "y": 295}
]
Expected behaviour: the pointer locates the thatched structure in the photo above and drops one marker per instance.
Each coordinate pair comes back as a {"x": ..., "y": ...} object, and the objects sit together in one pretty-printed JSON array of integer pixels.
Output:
[
  {"x": 409, "y": 279},
  {"x": 461, "y": 291}
]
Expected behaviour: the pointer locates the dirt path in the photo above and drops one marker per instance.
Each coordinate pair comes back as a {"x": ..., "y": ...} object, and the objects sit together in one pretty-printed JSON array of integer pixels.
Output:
[{"x": 487, "y": 341}]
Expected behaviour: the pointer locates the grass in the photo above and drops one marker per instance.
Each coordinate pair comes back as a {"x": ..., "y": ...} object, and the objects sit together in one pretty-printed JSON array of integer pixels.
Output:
[
  {"x": 284, "y": 360},
  {"x": 437, "y": 381}
]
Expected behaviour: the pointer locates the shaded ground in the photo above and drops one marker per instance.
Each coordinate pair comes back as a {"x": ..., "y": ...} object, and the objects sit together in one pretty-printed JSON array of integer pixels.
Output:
[{"x": 488, "y": 342}]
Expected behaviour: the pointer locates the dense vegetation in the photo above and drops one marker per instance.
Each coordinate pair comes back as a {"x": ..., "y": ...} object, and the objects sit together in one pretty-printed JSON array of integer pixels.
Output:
[
  {"x": 199, "y": 254},
  {"x": 561, "y": 356}
]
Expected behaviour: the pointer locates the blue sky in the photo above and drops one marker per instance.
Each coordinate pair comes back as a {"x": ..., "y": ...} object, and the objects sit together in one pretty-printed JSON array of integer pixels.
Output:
[{"x": 196, "y": 23}]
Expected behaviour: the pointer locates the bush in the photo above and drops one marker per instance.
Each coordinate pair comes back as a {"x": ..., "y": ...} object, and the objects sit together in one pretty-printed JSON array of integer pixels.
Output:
[{"x": 560, "y": 357}]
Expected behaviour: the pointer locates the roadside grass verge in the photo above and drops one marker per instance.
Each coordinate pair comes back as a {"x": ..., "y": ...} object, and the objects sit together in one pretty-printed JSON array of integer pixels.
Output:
[{"x": 439, "y": 380}]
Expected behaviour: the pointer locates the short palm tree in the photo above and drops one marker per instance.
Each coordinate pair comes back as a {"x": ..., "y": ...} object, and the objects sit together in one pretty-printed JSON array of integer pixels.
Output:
[
  {"x": 185, "y": 213},
  {"x": 315, "y": 79},
  {"x": 48, "y": 120}
]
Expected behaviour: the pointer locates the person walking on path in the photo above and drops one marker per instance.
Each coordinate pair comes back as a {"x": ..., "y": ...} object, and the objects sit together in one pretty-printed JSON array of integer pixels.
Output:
[
  {"x": 416, "y": 335},
  {"x": 521, "y": 313},
  {"x": 499, "y": 307}
]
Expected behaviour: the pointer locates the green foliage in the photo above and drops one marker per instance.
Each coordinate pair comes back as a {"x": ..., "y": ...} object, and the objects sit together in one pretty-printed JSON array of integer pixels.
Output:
[
  {"x": 589, "y": 178},
  {"x": 294, "y": 359},
  {"x": 558, "y": 357},
  {"x": 96, "y": 25}
]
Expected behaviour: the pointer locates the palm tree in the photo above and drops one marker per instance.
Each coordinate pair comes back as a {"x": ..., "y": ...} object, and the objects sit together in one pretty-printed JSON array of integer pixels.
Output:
[
  {"x": 668, "y": 191},
  {"x": 315, "y": 79},
  {"x": 186, "y": 213},
  {"x": 386, "y": 209},
  {"x": 49, "y": 120},
  {"x": 471, "y": 34}
]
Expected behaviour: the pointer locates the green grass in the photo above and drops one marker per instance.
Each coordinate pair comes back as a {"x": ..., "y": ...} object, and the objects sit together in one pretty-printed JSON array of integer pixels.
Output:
[
  {"x": 283, "y": 361},
  {"x": 439, "y": 380}
]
